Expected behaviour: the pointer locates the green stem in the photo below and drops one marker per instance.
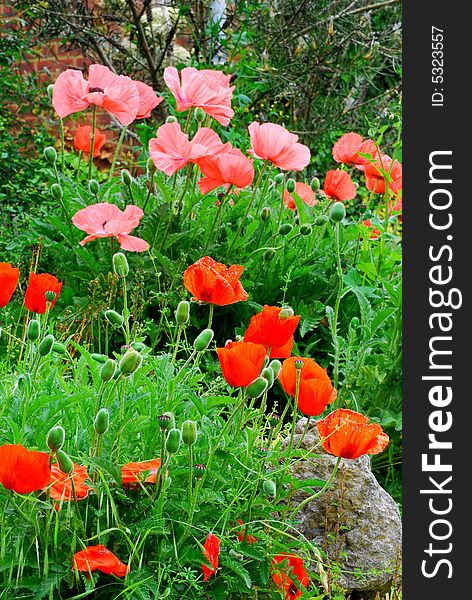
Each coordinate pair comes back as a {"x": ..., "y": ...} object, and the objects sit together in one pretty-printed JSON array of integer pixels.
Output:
[
  {"x": 61, "y": 131},
  {"x": 117, "y": 152},
  {"x": 92, "y": 140},
  {"x": 176, "y": 344},
  {"x": 336, "y": 308},
  {"x": 126, "y": 312},
  {"x": 323, "y": 489},
  {"x": 210, "y": 316}
]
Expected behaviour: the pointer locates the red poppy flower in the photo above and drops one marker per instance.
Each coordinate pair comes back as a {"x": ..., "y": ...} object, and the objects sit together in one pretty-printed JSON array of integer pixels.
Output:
[
  {"x": 8, "y": 279},
  {"x": 315, "y": 390},
  {"x": 212, "y": 282},
  {"x": 133, "y": 472},
  {"x": 349, "y": 434},
  {"x": 224, "y": 170},
  {"x": 282, "y": 579},
  {"x": 338, "y": 185},
  {"x": 374, "y": 234},
  {"x": 83, "y": 137},
  {"x": 22, "y": 470},
  {"x": 274, "y": 143},
  {"x": 346, "y": 150},
  {"x": 211, "y": 550},
  {"x": 241, "y": 362},
  {"x": 38, "y": 285},
  {"x": 99, "y": 558},
  {"x": 305, "y": 193},
  {"x": 250, "y": 539},
  {"x": 375, "y": 179},
  {"x": 268, "y": 329},
  {"x": 61, "y": 483}
]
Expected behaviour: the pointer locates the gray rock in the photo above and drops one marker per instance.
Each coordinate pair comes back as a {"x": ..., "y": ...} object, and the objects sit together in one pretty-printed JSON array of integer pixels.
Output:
[{"x": 356, "y": 522}]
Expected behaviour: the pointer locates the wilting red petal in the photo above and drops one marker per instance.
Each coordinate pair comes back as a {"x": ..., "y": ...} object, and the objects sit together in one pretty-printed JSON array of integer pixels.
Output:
[
  {"x": 99, "y": 558},
  {"x": 22, "y": 470},
  {"x": 38, "y": 285},
  {"x": 211, "y": 550},
  {"x": 250, "y": 539},
  {"x": 8, "y": 280},
  {"x": 212, "y": 282},
  {"x": 241, "y": 362},
  {"x": 61, "y": 483}
]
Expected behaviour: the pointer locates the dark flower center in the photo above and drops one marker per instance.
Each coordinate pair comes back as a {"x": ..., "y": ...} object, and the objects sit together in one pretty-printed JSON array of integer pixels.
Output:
[{"x": 95, "y": 89}]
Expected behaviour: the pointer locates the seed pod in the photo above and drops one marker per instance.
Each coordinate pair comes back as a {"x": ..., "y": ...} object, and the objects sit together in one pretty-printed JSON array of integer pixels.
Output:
[
  {"x": 199, "y": 114},
  {"x": 50, "y": 155},
  {"x": 256, "y": 388},
  {"x": 130, "y": 361},
  {"x": 50, "y": 296},
  {"x": 34, "y": 330},
  {"x": 166, "y": 421},
  {"x": 100, "y": 358},
  {"x": 321, "y": 220},
  {"x": 305, "y": 229},
  {"x": 275, "y": 365},
  {"x": 285, "y": 229},
  {"x": 173, "y": 441},
  {"x": 274, "y": 419},
  {"x": 290, "y": 185},
  {"x": 315, "y": 184},
  {"x": 120, "y": 264},
  {"x": 46, "y": 344},
  {"x": 337, "y": 212},
  {"x": 101, "y": 421},
  {"x": 182, "y": 312},
  {"x": 126, "y": 177},
  {"x": 298, "y": 364},
  {"x": 189, "y": 432},
  {"x": 59, "y": 348},
  {"x": 65, "y": 463},
  {"x": 114, "y": 318},
  {"x": 55, "y": 438},
  {"x": 108, "y": 370},
  {"x": 286, "y": 313},
  {"x": 56, "y": 191},
  {"x": 93, "y": 187},
  {"x": 265, "y": 213},
  {"x": 203, "y": 340},
  {"x": 268, "y": 255},
  {"x": 171, "y": 119},
  {"x": 199, "y": 470},
  {"x": 279, "y": 178},
  {"x": 269, "y": 487},
  {"x": 268, "y": 374}
]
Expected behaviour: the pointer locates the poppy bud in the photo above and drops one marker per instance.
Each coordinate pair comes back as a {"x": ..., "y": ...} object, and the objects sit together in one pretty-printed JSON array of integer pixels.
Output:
[
  {"x": 305, "y": 229},
  {"x": 362, "y": 207},
  {"x": 55, "y": 438},
  {"x": 315, "y": 184},
  {"x": 50, "y": 155},
  {"x": 274, "y": 420},
  {"x": 265, "y": 213},
  {"x": 151, "y": 167},
  {"x": 286, "y": 313},
  {"x": 257, "y": 387},
  {"x": 166, "y": 421},
  {"x": 203, "y": 340},
  {"x": 189, "y": 432},
  {"x": 50, "y": 296},
  {"x": 56, "y": 191},
  {"x": 126, "y": 177},
  {"x": 93, "y": 187},
  {"x": 173, "y": 441},
  {"x": 120, "y": 264},
  {"x": 130, "y": 361},
  {"x": 101, "y": 421},
  {"x": 275, "y": 365},
  {"x": 321, "y": 220},
  {"x": 279, "y": 178},
  {"x": 59, "y": 348},
  {"x": 199, "y": 114},
  {"x": 65, "y": 463},
  {"x": 268, "y": 374},
  {"x": 268, "y": 255},
  {"x": 107, "y": 371},
  {"x": 337, "y": 212},
  {"x": 285, "y": 229},
  {"x": 199, "y": 470},
  {"x": 290, "y": 185},
  {"x": 355, "y": 323},
  {"x": 114, "y": 318},
  {"x": 45, "y": 346},
  {"x": 182, "y": 313},
  {"x": 269, "y": 488},
  {"x": 296, "y": 220},
  {"x": 298, "y": 364},
  {"x": 171, "y": 119},
  {"x": 50, "y": 89},
  {"x": 138, "y": 346},
  {"x": 34, "y": 330},
  {"x": 100, "y": 358}
]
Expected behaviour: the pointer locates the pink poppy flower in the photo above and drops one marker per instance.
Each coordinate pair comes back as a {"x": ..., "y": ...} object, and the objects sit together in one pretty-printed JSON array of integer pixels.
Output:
[
  {"x": 207, "y": 89},
  {"x": 304, "y": 191},
  {"x": 338, "y": 185},
  {"x": 107, "y": 220},
  {"x": 375, "y": 180},
  {"x": 171, "y": 149},
  {"x": 117, "y": 94},
  {"x": 346, "y": 150},
  {"x": 148, "y": 99},
  {"x": 230, "y": 168},
  {"x": 274, "y": 143}
]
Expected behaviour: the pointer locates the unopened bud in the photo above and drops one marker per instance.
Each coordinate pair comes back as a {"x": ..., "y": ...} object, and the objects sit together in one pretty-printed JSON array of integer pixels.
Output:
[
  {"x": 126, "y": 177},
  {"x": 286, "y": 313},
  {"x": 108, "y": 370},
  {"x": 182, "y": 312},
  {"x": 321, "y": 220},
  {"x": 279, "y": 178},
  {"x": 268, "y": 255},
  {"x": 50, "y": 155},
  {"x": 337, "y": 212},
  {"x": 114, "y": 318},
  {"x": 315, "y": 184},
  {"x": 100, "y": 358},
  {"x": 268, "y": 374},
  {"x": 138, "y": 346},
  {"x": 46, "y": 344},
  {"x": 59, "y": 348},
  {"x": 55, "y": 438},
  {"x": 355, "y": 323},
  {"x": 50, "y": 89},
  {"x": 173, "y": 441},
  {"x": 120, "y": 264},
  {"x": 171, "y": 119},
  {"x": 296, "y": 220},
  {"x": 305, "y": 229},
  {"x": 93, "y": 187},
  {"x": 189, "y": 432},
  {"x": 130, "y": 361},
  {"x": 151, "y": 167},
  {"x": 101, "y": 421},
  {"x": 56, "y": 191},
  {"x": 275, "y": 365},
  {"x": 265, "y": 213},
  {"x": 34, "y": 330},
  {"x": 290, "y": 185},
  {"x": 285, "y": 229},
  {"x": 269, "y": 487},
  {"x": 199, "y": 114},
  {"x": 65, "y": 463},
  {"x": 203, "y": 340},
  {"x": 257, "y": 388}
]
